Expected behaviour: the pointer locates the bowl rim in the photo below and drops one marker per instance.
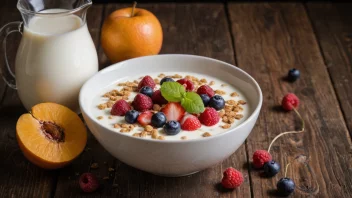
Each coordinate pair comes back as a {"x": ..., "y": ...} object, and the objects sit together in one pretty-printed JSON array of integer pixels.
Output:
[{"x": 116, "y": 65}]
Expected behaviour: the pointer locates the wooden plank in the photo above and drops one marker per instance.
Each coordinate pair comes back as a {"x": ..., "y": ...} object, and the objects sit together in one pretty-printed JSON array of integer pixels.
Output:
[
  {"x": 269, "y": 40},
  {"x": 332, "y": 24}
]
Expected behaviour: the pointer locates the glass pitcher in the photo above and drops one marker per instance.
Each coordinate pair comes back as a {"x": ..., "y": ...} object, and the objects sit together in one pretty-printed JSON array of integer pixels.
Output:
[{"x": 56, "y": 53}]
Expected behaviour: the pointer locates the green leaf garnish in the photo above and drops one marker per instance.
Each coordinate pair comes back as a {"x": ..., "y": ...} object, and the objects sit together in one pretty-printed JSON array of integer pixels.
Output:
[
  {"x": 172, "y": 91},
  {"x": 192, "y": 103}
]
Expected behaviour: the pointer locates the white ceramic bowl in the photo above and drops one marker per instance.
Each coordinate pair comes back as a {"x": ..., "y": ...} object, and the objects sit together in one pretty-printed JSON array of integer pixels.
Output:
[{"x": 171, "y": 157}]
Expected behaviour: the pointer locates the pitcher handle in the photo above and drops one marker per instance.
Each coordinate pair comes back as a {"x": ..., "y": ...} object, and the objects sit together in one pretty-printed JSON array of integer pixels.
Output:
[{"x": 5, "y": 31}]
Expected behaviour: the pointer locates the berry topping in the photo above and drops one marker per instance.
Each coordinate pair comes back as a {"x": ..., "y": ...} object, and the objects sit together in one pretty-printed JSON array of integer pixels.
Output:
[
  {"x": 172, "y": 127},
  {"x": 88, "y": 182},
  {"x": 158, "y": 98},
  {"x": 166, "y": 79},
  {"x": 120, "y": 108},
  {"x": 142, "y": 102},
  {"x": 145, "y": 118},
  {"x": 293, "y": 74},
  {"x": 131, "y": 116},
  {"x": 285, "y": 186},
  {"x": 158, "y": 119},
  {"x": 217, "y": 102},
  {"x": 173, "y": 111},
  {"x": 260, "y": 157},
  {"x": 232, "y": 178},
  {"x": 271, "y": 168},
  {"x": 206, "y": 89},
  {"x": 187, "y": 84},
  {"x": 146, "y": 81},
  {"x": 209, "y": 117},
  {"x": 205, "y": 98},
  {"x": 290, "y": 101},
  {"x": 146, "y": 91},
  {"x": 190, "y": 122}
]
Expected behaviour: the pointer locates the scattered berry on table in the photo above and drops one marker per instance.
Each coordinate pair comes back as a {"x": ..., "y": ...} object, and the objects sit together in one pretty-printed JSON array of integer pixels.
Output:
[
  {"x": 158, "y": 98},
  {"x": 290, "y": 101},
  {"x": 190, "y": 122},
  {"x": 205, "y": 98},
  {"x": 187, "y": 84},
  {"x": 166, "y": 79},
  {"x": 158, "y": 119},
  {"x": 206, "y": 89},
  {"x": 88, "y": 182},
  {"x": 217, "y": 102},
  {"x": 232, "y": 178},
  {"x": 146, "y": 81},
  {"x": 209, "y": 117},
  {"x": 148, "y": 91},
  {"x": 120, "y": 108},
  {"x": 145, "y": 118},
  {"x": 293, "y": 74},
  {"x": 142, "y": 102},
  {"x": 131, "y": 116},
  {"x": 260, "y": 157},
  {"x": 172, "y": 127},
  {"x": 271, "y": 168},
  {"x": 173, "y": 111},
  {"x": 285, "y": 186}
]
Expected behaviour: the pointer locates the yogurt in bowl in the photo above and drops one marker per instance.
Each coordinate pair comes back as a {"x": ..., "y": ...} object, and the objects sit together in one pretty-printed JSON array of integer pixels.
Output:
[{"x": 186, "y": 152}]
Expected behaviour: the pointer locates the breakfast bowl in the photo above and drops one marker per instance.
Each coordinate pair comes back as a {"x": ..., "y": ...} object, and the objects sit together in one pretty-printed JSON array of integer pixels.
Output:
[{"x": 170, "y": 157}]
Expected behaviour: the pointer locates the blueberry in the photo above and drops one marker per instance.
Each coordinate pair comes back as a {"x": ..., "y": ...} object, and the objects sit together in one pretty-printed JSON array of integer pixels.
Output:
[
  {"x": 131, "y": 116},
  {"x": 293, "y": 75},
  {"x": 148, "y": 91},
  {"x": 158, "y": 119},
  {"x": 205, "y": 99},
  {"x": 172, "y": 127},
  {"x": 217, "y": 102},
  {"x": 271, "y": 168},
  {"x": 166, "y": 79},
  {"x": 285, "y": 186}
]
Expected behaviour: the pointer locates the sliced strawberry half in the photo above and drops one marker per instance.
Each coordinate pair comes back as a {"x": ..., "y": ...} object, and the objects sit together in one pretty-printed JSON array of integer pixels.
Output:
[
  {"x": 190, "y": 122},
  {"x": 145, "y": 118},
  {"x": 173, "y": 111}
]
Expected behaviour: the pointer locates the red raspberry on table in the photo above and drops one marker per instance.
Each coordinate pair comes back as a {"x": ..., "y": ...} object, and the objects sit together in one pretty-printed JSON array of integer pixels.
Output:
[
  {"x": 142, "y": 102},
  {"x": 120, "y": 108},
  {"x": 290, "y": 101},
  {"x": 187, "y": 83},
  {"x": 158, "y": 98},
  {"x": 260, "y": 157},
  {"x": 209, "y": 117},
  {"x": 88, "y": 182},
  {"x": 232, "y": 178},
  {"x": 146, "y": 81},
  {"x": 206, "y": 89},
  {"x": 190, "y": 122}
]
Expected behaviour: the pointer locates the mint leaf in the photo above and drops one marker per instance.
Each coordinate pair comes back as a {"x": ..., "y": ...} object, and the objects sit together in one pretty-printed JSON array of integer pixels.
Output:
[
  {"x": 172, "y": 91},
  {"x": 192, "y": 103}
]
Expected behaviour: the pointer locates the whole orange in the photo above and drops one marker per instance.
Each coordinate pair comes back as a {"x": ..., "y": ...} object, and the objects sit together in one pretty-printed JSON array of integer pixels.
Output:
[{"x": 129, "y": 33}]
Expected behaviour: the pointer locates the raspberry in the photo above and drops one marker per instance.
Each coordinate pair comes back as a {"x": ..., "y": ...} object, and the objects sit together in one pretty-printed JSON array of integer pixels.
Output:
[
  {"x": 120, "y": 108},
  {"x": 158, "y": 98},
  {"x": 187, "y": 83},
  {"x": 209, "y": 117},
  {"x": 206, "y": 89},
  {"x": 260, "y": 157},
  {"x": 290, "y": 101},
  {"x": 146, "y": 81},
  {"x": 88, "y": 182},
  {"x": 232, "y": 178},
  {"x": 142, "y": 102}
]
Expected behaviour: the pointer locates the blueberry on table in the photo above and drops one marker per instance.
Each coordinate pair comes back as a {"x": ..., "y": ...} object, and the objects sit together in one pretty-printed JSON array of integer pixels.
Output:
[
  {"x": 131, "y": 116},
  {"x": 172, "y": 127},
  {"x": 166, "y": 79},
  {"x": 205, "y": 98},
  {"x": 271, "y": 168},
  {"x": 148, "y": 91},
  {"x": 285, "y": 186},
  {"x": 158, "y": 119},
  {"x": 293, "y": 74},
  {"x": 217, "y": 102}
]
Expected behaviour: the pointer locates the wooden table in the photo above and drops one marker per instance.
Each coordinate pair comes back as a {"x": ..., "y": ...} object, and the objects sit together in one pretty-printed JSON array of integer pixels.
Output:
[{"x": 264, "y": 39}]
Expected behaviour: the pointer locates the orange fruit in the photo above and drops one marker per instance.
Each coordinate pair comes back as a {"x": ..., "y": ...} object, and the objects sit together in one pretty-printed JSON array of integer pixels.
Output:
[
  {"x": 129, "y": 33},
  {"x": 51, "y": 136}
]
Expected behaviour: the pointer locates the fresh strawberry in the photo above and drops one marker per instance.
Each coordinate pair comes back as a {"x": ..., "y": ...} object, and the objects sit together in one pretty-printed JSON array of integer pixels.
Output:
[
  {"x": 206, "y": 89},
  {"x": 142, "y": 102},
  {"x": 173, "y": 111},
  {"x": 145, "y": 118},
  {"x": 146, "y": 81},
  {"x": 158, "y": 98},
  {"x": 120, "y": 108},
  {"x": 187, "y": 83},
  {"x": 209, "y": 117},
  {"x": 190, "y": 122}
]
